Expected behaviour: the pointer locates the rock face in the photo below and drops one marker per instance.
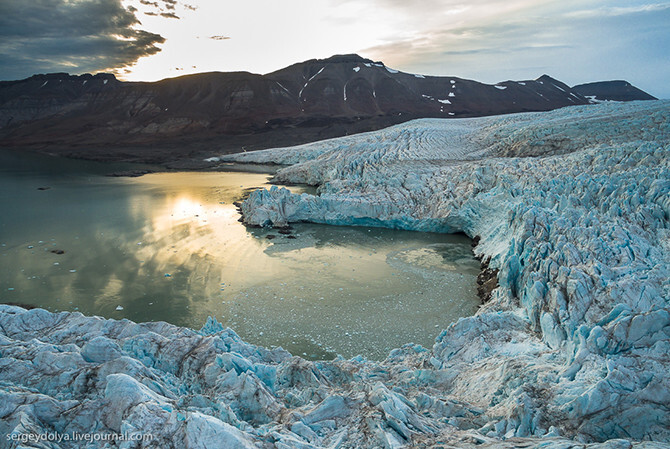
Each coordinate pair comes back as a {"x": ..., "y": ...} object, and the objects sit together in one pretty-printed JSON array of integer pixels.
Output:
[
  {"x": 612, "y": 91},
  {"x": 99, "y": 117},
  {"x": 571, "y": 206}
]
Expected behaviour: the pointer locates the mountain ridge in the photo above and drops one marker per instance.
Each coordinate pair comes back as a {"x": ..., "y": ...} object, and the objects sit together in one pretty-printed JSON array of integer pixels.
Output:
[{"x": 101, "y": 117}]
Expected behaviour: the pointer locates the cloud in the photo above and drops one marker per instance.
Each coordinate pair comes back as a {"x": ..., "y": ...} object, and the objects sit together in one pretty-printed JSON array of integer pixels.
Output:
[
  {"x": 492, "y": 41},
  {"x": 75, "y": 36},
  {"x": 167, "y": 15},
  {"x": 163, "y": 8},
  {"x": 618, "y": 10},
  {"x": 474, "y": 39}
]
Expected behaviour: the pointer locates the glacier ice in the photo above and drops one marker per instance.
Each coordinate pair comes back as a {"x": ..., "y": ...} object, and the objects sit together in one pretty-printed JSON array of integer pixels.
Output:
[{"x": 571, "y": 206}]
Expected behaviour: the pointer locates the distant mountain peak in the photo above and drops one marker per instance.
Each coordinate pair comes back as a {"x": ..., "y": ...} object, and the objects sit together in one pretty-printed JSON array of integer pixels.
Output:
[
  {"x": 545, "y": 78},
  {"x": 350, "y": 58},
  {"x": 617, "y": 90}
]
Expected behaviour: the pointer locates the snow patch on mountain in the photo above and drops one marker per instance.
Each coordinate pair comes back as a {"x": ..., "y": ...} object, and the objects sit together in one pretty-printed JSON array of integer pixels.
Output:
[{"x": 309, "y": 80}]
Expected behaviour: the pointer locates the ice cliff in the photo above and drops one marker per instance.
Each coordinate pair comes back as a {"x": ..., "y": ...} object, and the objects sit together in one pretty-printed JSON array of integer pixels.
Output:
[{"x": 571, "y": 206}]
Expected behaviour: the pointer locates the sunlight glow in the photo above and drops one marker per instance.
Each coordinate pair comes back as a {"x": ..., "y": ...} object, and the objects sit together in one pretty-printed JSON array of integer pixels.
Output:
[
  {"x": 486, "y": 40},
  {"x": 259, "y": 43},
  {"x": 185, "y": 207}
]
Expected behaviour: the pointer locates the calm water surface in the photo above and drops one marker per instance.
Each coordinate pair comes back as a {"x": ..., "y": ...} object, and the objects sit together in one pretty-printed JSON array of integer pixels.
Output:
[{"x": 169, "y": 247}]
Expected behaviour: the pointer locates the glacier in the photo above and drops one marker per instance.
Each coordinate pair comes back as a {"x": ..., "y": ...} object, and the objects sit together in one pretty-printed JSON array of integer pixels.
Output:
[{"x": 572, "y": 207}]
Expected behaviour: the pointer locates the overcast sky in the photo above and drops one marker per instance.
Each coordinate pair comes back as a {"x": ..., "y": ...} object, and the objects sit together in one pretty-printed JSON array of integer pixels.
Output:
[{"x": 575, "y": 41}]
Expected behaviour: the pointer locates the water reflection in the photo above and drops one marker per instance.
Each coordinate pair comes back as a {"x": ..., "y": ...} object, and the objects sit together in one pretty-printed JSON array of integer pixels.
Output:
[{"x": 169, "y": 247}]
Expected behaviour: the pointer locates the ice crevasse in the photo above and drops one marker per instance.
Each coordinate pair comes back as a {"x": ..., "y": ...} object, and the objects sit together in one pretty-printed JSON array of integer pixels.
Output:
[{"x": 573, "y": 350}]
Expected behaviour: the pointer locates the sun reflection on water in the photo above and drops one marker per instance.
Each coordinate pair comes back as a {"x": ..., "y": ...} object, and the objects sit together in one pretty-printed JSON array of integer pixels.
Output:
[{"x": 169, "y": 247}]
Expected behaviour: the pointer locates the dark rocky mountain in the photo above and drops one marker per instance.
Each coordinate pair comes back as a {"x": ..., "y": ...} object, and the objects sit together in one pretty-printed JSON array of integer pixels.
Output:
[
  {"x": 100, "y": 117},
  {"x": 612, "y": 91}
]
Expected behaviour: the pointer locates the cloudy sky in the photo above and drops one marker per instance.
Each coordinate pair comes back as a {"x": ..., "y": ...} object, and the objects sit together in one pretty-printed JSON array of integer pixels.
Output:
[{"x": 575, "y": 41}]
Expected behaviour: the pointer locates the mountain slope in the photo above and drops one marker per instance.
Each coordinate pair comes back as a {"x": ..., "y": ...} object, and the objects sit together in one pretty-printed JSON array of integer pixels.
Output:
[
  {"x": 612, "y": 91},
  {"x": 100, "y": 117}
]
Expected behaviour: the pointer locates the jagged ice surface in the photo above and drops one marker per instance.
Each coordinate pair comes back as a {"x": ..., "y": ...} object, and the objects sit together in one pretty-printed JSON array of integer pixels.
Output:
[{"x": 572, "y": 206}]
